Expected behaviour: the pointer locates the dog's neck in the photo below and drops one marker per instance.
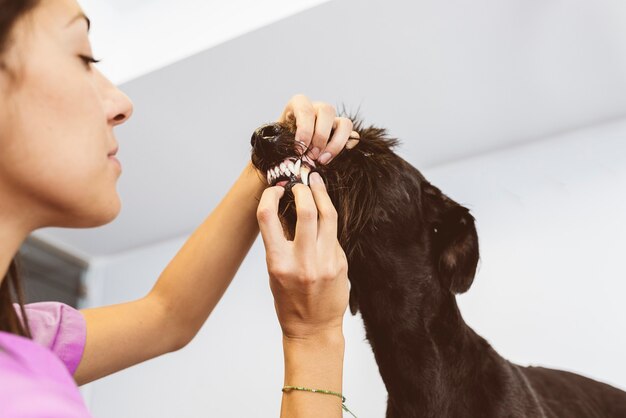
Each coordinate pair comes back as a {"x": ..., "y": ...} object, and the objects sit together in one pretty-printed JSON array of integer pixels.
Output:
[{"x": 432, "y": 363}]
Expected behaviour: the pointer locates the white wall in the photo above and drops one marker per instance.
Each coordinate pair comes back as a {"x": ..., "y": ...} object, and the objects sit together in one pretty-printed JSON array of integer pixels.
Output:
[
  {"x": 549, "y": 291},
  {"x": 551, "y": 225}
]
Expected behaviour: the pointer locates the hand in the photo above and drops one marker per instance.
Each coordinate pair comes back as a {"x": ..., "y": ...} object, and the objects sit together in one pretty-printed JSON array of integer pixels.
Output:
[
  {"x": 314, "y": 122},
  {"x": 309, "y": 275}
]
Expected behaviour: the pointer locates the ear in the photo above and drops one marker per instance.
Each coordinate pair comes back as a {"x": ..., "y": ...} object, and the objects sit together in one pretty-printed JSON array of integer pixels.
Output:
[{"x": 455, "y": 246}]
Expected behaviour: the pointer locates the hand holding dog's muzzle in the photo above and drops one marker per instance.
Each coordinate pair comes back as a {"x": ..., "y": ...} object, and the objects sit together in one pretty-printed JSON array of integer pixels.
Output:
[
  {"x": 318, "y": 127},
  {"x": 285, "y": 160},
  {"x": 308, "y": 275}
]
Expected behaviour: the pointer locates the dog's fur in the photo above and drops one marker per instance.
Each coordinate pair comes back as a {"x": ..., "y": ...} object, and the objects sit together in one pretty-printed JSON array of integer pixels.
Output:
[{"x": 410, "y": 249}]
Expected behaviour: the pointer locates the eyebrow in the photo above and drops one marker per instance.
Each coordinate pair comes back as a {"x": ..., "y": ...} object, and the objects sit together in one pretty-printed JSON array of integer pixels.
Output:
[{"x": 81, "y": 15}]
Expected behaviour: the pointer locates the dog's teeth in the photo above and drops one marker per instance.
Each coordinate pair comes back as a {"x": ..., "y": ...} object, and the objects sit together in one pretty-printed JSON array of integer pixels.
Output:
[
  {"x": 291, "y": 168},
  {"x": 296, "y": 167},
  {"x": 283, "y": 168},
  {"x": 269, "y": 177},
  {"x": 276, "y": 172},
  {"x": 304, "y": 174}
]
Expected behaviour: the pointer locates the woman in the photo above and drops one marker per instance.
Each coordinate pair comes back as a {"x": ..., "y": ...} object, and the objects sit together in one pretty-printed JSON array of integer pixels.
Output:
[{"x": 57, "y": 115}]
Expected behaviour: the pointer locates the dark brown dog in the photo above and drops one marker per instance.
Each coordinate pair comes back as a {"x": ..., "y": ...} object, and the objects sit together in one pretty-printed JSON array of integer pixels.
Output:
[{"x": 410, "y": 249}]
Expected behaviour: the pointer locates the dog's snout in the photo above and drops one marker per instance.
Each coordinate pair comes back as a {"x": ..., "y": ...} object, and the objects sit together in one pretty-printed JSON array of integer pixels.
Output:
[{"x": 266, "y": 134}]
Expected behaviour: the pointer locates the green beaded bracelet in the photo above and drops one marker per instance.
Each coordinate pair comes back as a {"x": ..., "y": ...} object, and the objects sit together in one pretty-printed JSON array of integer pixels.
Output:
[{"x": 326, "y": 392}]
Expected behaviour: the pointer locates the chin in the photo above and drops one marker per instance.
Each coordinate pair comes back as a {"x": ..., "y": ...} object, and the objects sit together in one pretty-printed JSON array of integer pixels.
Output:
[
  {"x": 104, "y": 212},
  {"x": 113, "y": 210}
]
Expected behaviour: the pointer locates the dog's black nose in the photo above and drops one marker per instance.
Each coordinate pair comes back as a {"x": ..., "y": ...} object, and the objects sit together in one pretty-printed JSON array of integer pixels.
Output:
[{"x": 266, "y": 134}]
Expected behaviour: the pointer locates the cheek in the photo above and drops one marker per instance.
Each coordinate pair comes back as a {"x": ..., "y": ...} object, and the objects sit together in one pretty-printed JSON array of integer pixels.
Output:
[
  {"x": 55, "y": 153},
  {"x": 72, "y": 188},
  {"x": 64, "y": 104}
]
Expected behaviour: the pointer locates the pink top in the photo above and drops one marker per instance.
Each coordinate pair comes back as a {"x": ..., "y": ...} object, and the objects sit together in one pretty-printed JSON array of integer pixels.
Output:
[{"x": 36, "y": 375}]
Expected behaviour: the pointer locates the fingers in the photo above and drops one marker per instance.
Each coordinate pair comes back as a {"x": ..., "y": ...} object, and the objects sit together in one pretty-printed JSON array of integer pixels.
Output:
[
  {"x": 302, "y": 109},
  {"x": 353, "y": 141},
  {"x": 314, "y": 123},
  {"x": 324, "y": 122},
  {"x": 306, "y": 223},
  {"x": 269, "y": 223},
  {"x": 327, "y": 224},
  {"x": 343, "y": 130}
]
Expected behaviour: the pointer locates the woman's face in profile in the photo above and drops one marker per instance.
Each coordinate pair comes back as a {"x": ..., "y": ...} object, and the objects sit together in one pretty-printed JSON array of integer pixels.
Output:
[{"x": 57, "y": 114}]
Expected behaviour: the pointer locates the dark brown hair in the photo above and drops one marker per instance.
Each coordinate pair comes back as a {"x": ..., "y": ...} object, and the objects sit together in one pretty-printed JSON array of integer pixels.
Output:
[{"x": 10, "y": 289}]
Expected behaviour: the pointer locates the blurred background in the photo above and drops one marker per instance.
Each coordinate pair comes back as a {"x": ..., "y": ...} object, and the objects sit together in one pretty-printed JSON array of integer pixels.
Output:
[{"x": 514, "y": 108}]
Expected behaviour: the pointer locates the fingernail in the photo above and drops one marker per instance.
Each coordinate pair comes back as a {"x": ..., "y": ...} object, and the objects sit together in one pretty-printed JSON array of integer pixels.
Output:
[
  {"x": 315, "y": 152},
  {"x": 324, "y": 158},
  {"x": 315, "y": 178}
]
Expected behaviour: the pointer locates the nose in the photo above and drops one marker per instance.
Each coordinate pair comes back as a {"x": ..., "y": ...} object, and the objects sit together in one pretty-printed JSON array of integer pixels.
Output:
[
  {"x": 265, "y": 136},
  {"x": 121, "y": 107},
  {"x": 118, "y": 106}
]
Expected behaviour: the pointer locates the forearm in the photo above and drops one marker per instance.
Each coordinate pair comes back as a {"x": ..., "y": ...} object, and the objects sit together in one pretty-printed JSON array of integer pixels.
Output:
[
  {"x": 121, "y": 335},
  {"x": 197, "y": 277},
  {"x": 314, "y": 364}
]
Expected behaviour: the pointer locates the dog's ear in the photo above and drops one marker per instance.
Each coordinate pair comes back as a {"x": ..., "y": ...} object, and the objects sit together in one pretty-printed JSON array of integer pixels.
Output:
[{"x": 454, "y": 241}]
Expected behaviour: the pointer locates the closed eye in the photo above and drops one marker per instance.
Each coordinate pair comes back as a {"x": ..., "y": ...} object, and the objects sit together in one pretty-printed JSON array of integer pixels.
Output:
[{"x": 88, "y": 60}]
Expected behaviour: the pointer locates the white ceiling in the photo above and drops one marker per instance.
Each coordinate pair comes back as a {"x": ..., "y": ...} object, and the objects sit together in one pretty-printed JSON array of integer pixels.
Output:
[
  {"x": 139, "y": 36},
  {"x": 450, "y": 79}
]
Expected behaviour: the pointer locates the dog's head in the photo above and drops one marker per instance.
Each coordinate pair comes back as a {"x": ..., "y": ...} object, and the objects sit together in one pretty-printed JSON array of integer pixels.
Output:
[{"x": 392, "y": 223}]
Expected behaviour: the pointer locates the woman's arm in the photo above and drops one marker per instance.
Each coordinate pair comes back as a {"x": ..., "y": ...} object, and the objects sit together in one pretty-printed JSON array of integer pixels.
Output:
[
  {"x": 317, "y": 364},
  {"x": 121, "y": 335},
  {"x": 186, "y": 292}
]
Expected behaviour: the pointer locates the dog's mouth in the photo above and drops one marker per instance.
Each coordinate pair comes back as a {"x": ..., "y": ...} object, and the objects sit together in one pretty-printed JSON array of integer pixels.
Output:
[
  {"x": 290, "y": 171},
  {"x": 282, "y": 158}
]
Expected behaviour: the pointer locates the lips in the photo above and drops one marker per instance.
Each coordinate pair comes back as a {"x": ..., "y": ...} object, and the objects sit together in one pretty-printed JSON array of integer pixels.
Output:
[{"x": 114, "y": 151}]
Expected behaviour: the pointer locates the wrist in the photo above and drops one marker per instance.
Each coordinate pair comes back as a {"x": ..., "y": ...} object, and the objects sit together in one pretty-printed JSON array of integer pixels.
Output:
[
  {"x": 315, "y": 361},
  {"x": 255, "y": 179},
  {"x": 325, "y": 338}
]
